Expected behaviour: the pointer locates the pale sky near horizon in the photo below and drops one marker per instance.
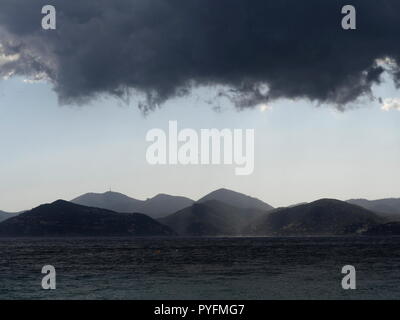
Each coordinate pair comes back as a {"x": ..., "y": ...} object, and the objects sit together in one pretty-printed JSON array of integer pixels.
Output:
[{"x": 303, "y": 152}]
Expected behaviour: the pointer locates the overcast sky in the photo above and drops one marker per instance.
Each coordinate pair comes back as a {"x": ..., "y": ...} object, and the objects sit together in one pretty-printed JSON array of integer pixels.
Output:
[{"x": 327, "y": 126}]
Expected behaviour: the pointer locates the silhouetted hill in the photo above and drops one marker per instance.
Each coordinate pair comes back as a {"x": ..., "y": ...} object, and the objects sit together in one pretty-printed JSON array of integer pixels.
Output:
[
  {"x": 388, "y": 208},
  {"x": 236, "y": 199},
  {"x": 156, "y": 207},
  {"x": 109, "y": 200},
  {"x": 387, "y": 229},
  {"x": 163, "y": 204},
  {"x": 7, "y": 215},
  {"x": 322, "y": 217},
  {"x": 62, "y": 218},
  {"x": 211, "y": 218}
]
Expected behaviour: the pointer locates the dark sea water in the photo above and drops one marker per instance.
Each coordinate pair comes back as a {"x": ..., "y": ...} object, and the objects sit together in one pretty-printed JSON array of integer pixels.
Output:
[{"x": 221, "y": 268}]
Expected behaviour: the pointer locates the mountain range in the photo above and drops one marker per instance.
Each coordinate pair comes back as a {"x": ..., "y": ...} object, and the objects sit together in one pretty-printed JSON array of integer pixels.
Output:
[
  {"x": 389, "y": 208},
  {"x": 220, "y": 213},
  {"x": 322, "y": 217},
  {"x": 159, "y": 206},
  {"x": 6, "y": 215},
  {"x": 66, "y": 219},
  {"x": 211, "y": 218},
  {"x": 236, "y": 199}
]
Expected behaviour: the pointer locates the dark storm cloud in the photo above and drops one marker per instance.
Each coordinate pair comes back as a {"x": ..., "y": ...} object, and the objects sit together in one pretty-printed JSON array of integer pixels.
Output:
[{"x": 165, "y": 48}]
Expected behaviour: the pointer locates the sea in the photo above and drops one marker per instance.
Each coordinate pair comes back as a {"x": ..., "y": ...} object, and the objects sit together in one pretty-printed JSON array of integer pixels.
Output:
[{"x": 306, "y": 268}]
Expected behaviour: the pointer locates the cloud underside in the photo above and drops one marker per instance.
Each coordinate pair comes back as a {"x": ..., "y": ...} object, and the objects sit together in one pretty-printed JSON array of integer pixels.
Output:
[{"x": 257, "y": 50}]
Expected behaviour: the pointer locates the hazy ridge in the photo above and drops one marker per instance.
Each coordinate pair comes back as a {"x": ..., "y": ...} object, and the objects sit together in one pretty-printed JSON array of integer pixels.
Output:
[{"x": 220, "y": 213}]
